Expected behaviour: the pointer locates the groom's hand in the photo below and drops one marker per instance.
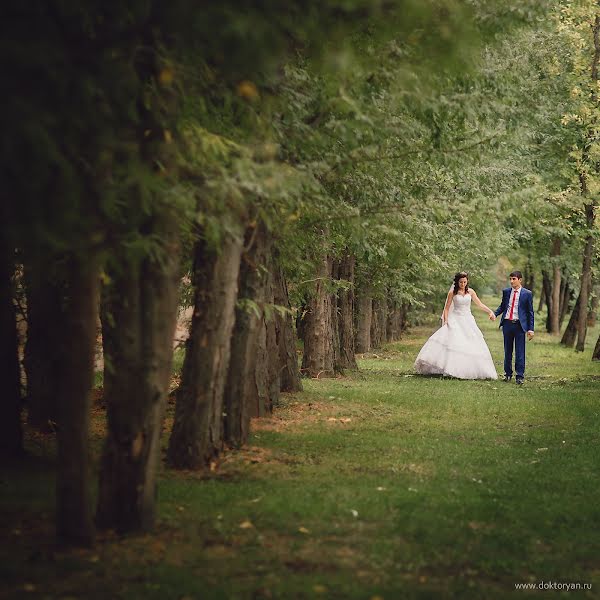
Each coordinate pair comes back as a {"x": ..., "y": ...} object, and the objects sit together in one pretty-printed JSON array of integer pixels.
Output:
[
  {"x": 492, "y": 317},
  {"x": 530, "y": 335}
]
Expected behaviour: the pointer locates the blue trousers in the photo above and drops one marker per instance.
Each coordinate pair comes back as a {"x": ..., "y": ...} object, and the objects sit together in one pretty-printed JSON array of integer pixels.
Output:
[{"x": 514, "y": 337}]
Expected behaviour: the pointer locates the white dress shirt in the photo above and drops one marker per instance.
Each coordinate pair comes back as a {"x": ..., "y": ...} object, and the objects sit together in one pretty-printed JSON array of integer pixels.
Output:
[{"x": 516, "y": 308}]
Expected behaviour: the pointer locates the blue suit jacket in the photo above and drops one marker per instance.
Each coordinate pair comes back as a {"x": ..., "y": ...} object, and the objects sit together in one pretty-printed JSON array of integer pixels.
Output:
[{"x": 525, "y": 308}]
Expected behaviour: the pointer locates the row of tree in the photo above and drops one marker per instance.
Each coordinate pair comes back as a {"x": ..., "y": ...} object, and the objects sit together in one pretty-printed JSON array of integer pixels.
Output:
[{"x": 334, "y": 162}]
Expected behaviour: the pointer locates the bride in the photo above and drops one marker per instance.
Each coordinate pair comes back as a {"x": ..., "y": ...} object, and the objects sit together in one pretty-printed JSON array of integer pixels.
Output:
[{"x": 457, "y": 348}]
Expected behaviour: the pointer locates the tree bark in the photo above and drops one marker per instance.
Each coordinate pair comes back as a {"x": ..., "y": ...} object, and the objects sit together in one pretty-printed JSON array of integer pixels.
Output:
[
  {"x": 11, "y": 434},
  {"x": 586, "y": 278},
  {"x": 364, "y": 318},
  {"x": 197, "y": 433},
  {"x": 138, "y": 328},
  {"x": 241, "y": 395},
  {"x": 542, "y": 299},
  {"x": 570, "y": 333},
  {"x": 596, "y": 353},
  {"x": 376, "y": 332},
  {"x": 547, "y": 285},
  {"x": 73, "y": 502},
  {"x": 564, "y": 301},
  {"x": 593, "y": 312},
  {"x": 45, "y": 324},
  {"x": 285, "y": 335},
  {"x": 318, "y": 357},
  {"x": 345, "y": 308},
  {"x": 394, "y": 326},
  {"x": 556, "y": 281},
  {"x": 266, "y": 372}
]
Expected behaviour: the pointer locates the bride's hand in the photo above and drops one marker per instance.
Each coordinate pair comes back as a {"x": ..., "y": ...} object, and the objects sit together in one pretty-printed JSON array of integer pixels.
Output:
[{"x": 492, "y": 316}]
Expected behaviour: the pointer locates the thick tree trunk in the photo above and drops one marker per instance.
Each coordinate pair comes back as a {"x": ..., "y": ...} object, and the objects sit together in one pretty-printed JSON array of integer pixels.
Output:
[
  {"x": 197, "y": 433},
  {"x": 285, "y": 335},
  {"x": 394, "y": 325},
  {"x": 363, "y": 326},
  {"x": 376, "y": 333},
  {"x": 45, "y": 324},
  {"x": 138, "y": 329},
  {"x": 73, "y": 502},
  {"x": 345, "y": 309},
  {"x": 247, "y": 377},
  {"x": 556, "y": 281},
  {"x": 11, "y": 435},
  {"x": 266, "y": 372},
  {"x": 319, "y": 348},
  {"x": 547, "y": 284},
  {"x": 570, "y": 333},
  {"x": 586, "y": 278}
]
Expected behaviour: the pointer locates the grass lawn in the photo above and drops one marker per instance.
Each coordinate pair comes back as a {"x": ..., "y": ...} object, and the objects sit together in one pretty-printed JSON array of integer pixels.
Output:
[{"x": 381, "y": 484}]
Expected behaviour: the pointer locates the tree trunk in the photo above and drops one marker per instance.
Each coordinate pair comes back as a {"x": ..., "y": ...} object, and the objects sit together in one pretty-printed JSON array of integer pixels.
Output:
[
  {"x": 556, "y": 281},
  {"x": 394, "y": 327},
  {"x": 382, "y": 315},
  {"x": 547, "y": 284},
  {"x": 564, "y": 301},
  {"x": 318, "y": 358},
  {"x": 593, "y": 312},
  {"x": 241, "y": 395},
  {"x": 570, "y": 333},
  {"x": 586, "y": 278},
  {"x": 345, "y": 307},
  {"x": 266, "y": 372},
  {"x": 138, "y": 328},
  {"x": 11, "y": 435},
  {"x": 73, "y": 502},
  {"x": 285, "y": 335},
  {"x": 364, "y": 318},
  {"x": 196, "y": 438},
  {"x": 268, "y": 369},
  {"x": 45, "y": 324},
  {"x": 376, "y": 333},
  {"x": 404, "y": 309},
  {"x": 542, "y": 299},
  {"x": 596, "y": 353}
]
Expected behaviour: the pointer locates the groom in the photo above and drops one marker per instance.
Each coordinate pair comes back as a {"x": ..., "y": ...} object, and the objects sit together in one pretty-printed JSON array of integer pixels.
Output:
[{"x": 517, "y": 320}]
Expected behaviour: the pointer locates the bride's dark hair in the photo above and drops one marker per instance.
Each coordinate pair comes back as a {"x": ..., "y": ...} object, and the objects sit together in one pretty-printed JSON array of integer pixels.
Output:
[{"x": 460, "y": 276}]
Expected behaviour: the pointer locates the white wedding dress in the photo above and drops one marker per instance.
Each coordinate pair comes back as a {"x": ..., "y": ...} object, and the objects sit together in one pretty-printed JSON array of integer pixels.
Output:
[{"x": 458, "y": 348}]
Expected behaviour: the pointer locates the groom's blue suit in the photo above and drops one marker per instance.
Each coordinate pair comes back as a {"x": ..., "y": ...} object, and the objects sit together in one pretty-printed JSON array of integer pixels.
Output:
[{"x": 514, "y": 332}]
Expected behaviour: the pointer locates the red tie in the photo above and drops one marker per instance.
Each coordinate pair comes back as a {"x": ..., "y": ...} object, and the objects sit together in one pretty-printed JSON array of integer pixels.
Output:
[{"x": 512, "y": 305}]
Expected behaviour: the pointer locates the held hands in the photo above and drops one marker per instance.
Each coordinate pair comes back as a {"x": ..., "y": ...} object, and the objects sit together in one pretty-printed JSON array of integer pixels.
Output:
[{"x": 492, "y": 316}]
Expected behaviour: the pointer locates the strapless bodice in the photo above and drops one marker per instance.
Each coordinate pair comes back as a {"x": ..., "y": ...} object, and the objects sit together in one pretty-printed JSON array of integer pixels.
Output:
[{"x": 462, "y": 304}]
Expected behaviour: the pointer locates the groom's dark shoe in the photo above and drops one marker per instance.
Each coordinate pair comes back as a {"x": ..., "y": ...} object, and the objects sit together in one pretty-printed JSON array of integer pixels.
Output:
[
  {"x": 507, "y": 378},
  {"x": 520, "y": 381}
]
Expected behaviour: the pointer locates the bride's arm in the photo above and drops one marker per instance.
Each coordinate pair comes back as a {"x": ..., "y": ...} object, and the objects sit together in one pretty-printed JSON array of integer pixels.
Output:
[
  {"x": 447, "y": 307},
  {"x": 481, "y": 305}
]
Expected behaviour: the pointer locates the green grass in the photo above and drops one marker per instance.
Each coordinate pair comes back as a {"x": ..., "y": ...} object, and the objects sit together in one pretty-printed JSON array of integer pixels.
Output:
[{"x": 381, "y": 483}]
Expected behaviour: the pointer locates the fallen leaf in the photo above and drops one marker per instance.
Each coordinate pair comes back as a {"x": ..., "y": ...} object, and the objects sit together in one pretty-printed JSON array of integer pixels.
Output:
[
  {"x": 246, "y": 525},
  {"x": 303, "y": 530}
]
